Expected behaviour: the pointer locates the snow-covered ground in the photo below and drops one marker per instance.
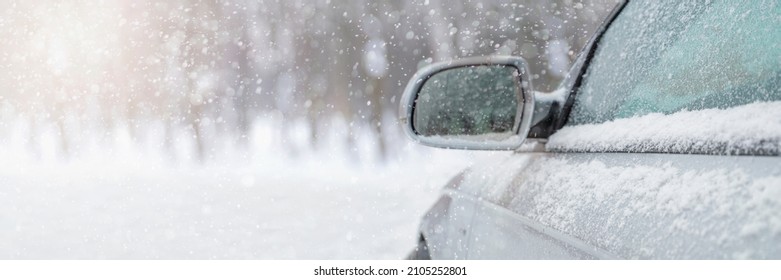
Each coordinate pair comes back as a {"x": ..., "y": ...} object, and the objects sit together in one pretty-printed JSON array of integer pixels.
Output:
[{"x": 260, "y": 204}]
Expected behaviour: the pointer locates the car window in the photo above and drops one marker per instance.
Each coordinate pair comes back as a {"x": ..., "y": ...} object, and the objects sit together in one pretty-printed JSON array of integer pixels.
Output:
[{"x": 672, "y": 56}]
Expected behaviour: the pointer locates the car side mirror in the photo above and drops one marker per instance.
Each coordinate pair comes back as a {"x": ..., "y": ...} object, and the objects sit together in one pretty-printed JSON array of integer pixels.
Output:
[{"x": 481, "y": 103}]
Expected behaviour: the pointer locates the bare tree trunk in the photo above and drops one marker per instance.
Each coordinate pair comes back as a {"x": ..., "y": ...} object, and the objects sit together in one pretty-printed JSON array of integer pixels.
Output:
[
  {"x": 195, "y": 123},
  {"x": 168, "y": 138},
  {"x": 63, "y": 133},
  {"x": 440, "y": 41},
  {"x": 33, "y": 142},
  {"x": 374, "y": 88}
]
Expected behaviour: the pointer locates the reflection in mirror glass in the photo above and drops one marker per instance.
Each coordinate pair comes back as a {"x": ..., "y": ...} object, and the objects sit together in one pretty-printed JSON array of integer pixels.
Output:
[{"x": 475, "y": 102}]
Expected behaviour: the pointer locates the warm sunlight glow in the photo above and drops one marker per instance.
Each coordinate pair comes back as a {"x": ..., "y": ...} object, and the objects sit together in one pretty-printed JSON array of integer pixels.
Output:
[{"x": 60, "y": 51}]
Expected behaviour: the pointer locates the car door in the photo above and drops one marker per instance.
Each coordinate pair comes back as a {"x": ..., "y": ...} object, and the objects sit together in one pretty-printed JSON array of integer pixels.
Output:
[
  {"x": 669, "y": 147},
  {"x": 446, "y": 225}
]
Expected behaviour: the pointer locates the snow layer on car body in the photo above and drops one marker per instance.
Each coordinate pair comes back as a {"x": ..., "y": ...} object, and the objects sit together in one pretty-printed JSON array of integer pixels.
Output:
[
  {"x": 749, "y": 129},
  {"x": 649, "y": 206}
]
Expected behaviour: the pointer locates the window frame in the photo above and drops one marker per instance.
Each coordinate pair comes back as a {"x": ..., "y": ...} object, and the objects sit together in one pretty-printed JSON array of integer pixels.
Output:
[
  {"x": 558, "y": 114},
  {"x": 577, "y": 73}
]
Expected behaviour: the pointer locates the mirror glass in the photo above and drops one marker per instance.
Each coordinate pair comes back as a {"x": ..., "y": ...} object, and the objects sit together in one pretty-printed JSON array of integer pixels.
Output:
[{"x": 471, "y": 103}]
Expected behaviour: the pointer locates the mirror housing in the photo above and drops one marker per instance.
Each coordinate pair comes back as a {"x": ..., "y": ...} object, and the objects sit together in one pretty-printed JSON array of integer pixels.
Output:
[{"x": 480, "y": 103}]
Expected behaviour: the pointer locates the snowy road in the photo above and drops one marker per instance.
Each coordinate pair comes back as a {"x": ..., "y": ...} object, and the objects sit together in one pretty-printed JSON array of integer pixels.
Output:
[{"x": 283, "y": 210}]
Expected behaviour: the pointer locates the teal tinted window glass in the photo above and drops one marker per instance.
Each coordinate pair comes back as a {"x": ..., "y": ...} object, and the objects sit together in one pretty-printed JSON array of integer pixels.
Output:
[{"x": 669, "y": 56}]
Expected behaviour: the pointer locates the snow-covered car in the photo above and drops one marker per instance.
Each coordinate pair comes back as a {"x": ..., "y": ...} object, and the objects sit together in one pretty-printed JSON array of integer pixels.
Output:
[{"x": 662, "y": 142}]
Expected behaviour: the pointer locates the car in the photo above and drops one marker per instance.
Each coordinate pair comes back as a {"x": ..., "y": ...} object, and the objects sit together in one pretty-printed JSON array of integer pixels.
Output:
[{"x": 662, "y": 142}]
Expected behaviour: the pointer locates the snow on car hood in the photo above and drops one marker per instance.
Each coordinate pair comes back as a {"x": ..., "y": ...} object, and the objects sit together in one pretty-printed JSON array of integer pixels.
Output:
[{"x": 748, "y": 129}]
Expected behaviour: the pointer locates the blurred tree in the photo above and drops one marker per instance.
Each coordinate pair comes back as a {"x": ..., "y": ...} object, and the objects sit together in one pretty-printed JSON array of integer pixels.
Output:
[{"x": 212, "y": 68}]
